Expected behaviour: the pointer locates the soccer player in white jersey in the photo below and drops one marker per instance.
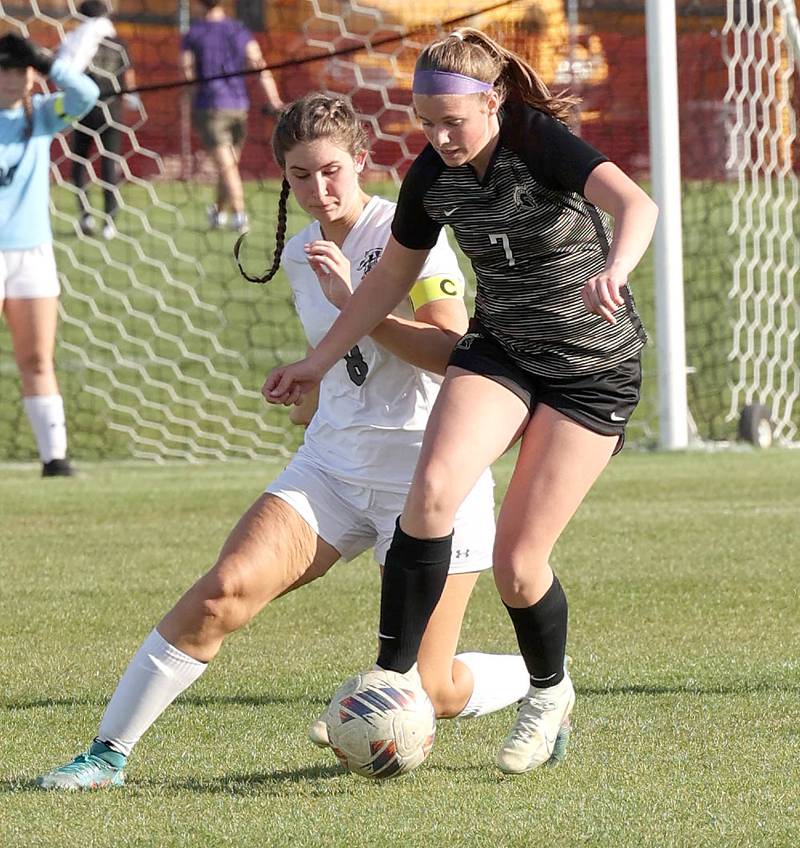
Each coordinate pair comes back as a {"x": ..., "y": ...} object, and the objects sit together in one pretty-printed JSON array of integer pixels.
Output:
[
  {"x": 342, "y": 492},
  {"x": 552, "y": 359},
  {"x": 28, "y": 279}
]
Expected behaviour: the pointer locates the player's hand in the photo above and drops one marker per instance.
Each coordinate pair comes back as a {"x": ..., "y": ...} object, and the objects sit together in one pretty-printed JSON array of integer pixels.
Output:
[
  {"x": 332, "y": 268},
  {"x": 287, "y": 384},
  {"x": 602, "y": 294}
]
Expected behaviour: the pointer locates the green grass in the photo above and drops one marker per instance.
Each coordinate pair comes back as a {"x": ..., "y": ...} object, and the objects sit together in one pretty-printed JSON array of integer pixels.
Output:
[
  {"x": 125, "y": 347},
  {"x": 682, "y": 576}
]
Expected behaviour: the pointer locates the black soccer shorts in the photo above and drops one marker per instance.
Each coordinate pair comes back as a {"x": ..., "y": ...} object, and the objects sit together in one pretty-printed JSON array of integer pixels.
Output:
[{"x": 602, "y": 402}]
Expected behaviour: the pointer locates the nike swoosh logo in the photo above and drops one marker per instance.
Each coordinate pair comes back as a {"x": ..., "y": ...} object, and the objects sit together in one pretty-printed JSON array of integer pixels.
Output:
[
  {"x": 615, "y": 417},
  {"x": 550, "y": 741},
  {"x": 448, "y": 212},
  {"x": 384, "y": 636}
]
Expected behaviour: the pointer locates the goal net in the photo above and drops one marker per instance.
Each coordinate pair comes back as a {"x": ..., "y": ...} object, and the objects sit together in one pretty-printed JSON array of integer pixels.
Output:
[
  {"x": 762, "y": 50},
  {"x": 162, "y": 345}
]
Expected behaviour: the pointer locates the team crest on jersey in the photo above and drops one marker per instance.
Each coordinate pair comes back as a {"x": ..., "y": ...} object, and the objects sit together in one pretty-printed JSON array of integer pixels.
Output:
[
  {"x": 369, "y": 259},
  {"x": 522, "y": 198}
]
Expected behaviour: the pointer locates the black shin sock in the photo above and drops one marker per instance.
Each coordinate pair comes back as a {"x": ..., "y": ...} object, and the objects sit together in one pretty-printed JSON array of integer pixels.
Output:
[
  {"x": 542, "y": 635},
  {"x": 413, "y": 581}
]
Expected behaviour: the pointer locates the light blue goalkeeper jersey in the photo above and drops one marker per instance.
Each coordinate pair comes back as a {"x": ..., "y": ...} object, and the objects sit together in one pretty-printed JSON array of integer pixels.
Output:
[{"x": 25, "y": 162}]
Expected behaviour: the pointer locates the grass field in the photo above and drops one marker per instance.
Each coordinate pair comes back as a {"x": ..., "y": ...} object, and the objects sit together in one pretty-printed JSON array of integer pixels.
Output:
[{"x": 682, "y": 576}]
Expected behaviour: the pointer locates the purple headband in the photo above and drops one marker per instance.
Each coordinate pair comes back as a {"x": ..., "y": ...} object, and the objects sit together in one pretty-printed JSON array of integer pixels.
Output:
[{"x": 445, "y": 82}]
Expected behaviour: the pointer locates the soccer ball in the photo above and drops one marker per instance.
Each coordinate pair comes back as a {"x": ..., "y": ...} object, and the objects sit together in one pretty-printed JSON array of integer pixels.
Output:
[{"x": 381, "y": 723}]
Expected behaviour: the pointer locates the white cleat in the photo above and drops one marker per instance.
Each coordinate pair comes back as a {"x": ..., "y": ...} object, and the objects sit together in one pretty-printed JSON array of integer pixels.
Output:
[
  {"x": 541, "y": 731},
  {"x": 318, "y": 732}
]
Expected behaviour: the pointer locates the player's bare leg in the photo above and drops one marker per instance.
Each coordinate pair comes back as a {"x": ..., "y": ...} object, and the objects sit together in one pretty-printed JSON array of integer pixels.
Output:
[
  {"x": 32, "y": 324},
  {"x": 558, "y": 462},
  {"x": 270, "y": 551}
]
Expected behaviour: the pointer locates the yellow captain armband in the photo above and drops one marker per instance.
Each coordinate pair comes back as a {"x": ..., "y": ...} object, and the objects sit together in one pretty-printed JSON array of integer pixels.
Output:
[
  {"x": 435, "y": 288},
  {"x": 58, "y": 108}
]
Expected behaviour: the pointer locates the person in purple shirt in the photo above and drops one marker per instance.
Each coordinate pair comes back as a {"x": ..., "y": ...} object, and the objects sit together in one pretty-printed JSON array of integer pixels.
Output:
[{"x": 214, "y": 45}]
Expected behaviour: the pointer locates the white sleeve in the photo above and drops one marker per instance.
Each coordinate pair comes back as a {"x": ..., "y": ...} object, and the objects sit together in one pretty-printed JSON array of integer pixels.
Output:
[{"x": 441, "y": 261}]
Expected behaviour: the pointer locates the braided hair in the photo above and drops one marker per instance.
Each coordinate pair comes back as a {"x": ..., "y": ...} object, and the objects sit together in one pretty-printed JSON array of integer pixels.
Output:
[{"x": 313, "y": 117}]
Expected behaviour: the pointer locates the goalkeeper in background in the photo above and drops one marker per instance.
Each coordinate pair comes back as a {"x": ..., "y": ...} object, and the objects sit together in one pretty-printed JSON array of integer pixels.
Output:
[{"x": 29, "y": 285}]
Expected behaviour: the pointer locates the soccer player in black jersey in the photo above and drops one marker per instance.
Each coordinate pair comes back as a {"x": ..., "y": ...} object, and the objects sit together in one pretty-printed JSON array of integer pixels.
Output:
[{"x": 551, "y": 360}]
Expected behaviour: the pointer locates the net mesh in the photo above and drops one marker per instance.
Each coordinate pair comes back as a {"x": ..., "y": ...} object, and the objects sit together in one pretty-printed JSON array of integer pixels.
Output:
[{"x": 163, "y": 347}]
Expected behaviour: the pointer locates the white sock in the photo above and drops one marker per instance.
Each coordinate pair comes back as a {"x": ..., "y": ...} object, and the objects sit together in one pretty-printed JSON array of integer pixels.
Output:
[
  {"x": 157, "y": 674},
  {"x": 46, "y": 414},
  {"x": 499, "y": 680}
]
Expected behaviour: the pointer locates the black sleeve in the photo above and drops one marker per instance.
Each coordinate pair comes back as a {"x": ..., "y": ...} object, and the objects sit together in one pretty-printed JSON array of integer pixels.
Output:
[
  {"x": 412, "y": 226},
  {"x": 555, "y": 157}
]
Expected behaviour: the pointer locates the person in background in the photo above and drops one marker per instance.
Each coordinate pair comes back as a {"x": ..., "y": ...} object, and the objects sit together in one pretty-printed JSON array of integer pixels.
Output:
[
  {"x": 95, "y": 48},
  {"x": 29, "y": 285},
  {"x": 216, "y": 45}
]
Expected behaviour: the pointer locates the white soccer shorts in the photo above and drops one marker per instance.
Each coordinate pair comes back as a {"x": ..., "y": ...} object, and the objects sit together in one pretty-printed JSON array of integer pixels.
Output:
[
  {"x": 353, "y": 518},
  {"x": 28, "y": 274}
]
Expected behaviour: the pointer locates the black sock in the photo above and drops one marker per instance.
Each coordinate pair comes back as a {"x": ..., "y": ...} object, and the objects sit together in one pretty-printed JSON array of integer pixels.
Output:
[
  {"x": 413, "y": 580},
  {"x": 542, "y": 636}
]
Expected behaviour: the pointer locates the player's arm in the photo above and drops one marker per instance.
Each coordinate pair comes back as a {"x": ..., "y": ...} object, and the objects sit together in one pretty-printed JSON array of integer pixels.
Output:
[
  {"x": 633, "y": 211},
  {"x": 634, "y": 215},
  {"x": 130, "y": 98},
  {"x": 187, "y": 65},
  {"x": 77, "y": 96},
  {"x": 440, "y": 319},
  {"x": 303, "y": 412},
  {"x": 129, "y": 78},
  {"x": 379, "y": 292},
  {"x": 255, "y": 60}
]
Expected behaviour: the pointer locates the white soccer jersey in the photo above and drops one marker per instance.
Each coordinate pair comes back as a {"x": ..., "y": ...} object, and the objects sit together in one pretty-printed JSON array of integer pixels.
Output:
[{"x": 373, "y": 406}]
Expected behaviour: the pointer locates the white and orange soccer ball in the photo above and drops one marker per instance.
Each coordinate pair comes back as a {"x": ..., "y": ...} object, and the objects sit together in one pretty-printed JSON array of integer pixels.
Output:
[{"x": 381, "y": 723}]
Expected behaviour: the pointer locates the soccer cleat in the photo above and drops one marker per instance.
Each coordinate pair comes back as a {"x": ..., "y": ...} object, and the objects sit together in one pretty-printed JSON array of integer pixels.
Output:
[
  {"x": 216, "y": 218},
  {"x": 87, "y": 224},
  {"x": 562, "y": 742},
  {"x": 98, "y": 768},
  {"x": 57, "y": 468},
  {"x": 318, "y": 732},
  {"x": 109, "y": 231},
  {"x": 239, "y": 222},
  {"x": 541, "y": 732}
]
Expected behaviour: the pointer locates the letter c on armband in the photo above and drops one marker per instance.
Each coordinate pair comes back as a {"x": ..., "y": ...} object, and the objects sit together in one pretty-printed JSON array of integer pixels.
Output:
[{"x": 435, "y": 288}]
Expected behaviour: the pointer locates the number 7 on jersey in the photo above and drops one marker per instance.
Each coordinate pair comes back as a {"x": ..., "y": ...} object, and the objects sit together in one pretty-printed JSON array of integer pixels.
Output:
[{"x": 502, "y": 238}]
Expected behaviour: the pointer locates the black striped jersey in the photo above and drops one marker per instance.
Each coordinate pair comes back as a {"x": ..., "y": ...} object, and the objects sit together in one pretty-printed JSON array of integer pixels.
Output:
[{"x": 533, "y": 241}]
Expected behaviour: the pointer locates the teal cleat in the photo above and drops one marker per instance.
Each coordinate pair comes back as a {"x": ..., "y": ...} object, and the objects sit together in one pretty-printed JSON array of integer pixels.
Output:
[
  {"x": 562, "y": 742},
  {"x": 98, "y": 768}
]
